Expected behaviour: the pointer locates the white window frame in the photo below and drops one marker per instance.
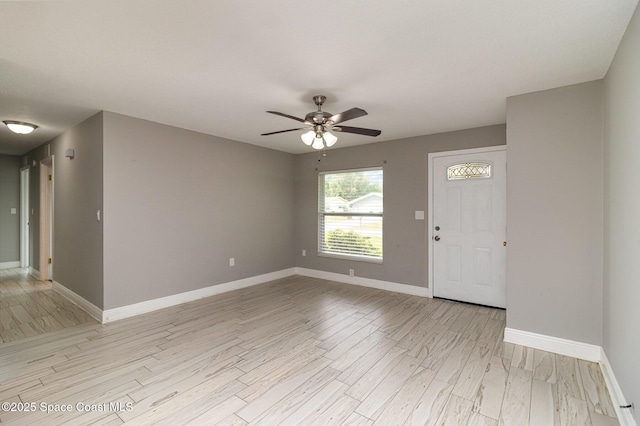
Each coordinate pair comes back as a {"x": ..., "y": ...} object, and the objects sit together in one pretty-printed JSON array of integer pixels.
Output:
[{"x": 322, "y": 214}]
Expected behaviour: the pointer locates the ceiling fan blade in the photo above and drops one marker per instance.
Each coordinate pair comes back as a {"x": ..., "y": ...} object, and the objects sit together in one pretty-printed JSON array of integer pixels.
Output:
[
  {"x": 357, "y": 130},
  {"x": 347, "y": 115},
  {"x": 287, "y": 115},
  {"x": 282, "y": 131}
]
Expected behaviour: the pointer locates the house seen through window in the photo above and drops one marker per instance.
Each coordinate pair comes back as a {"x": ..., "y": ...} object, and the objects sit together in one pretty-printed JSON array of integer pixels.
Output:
[{"x": 350, "y": 214}]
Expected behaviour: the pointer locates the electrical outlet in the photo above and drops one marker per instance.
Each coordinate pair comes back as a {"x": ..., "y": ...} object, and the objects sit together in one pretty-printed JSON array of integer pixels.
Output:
[
  {"x": 304, "y": 252},
  {"x": 351, "y": 272},
  {"x": 232, "y": 261}
]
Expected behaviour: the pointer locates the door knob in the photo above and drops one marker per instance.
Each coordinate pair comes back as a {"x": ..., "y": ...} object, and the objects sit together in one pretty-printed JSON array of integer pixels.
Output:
[{"x": 437, "y": 238}]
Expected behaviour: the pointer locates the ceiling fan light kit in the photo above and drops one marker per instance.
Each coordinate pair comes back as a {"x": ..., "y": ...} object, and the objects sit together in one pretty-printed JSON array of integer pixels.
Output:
[
  {"x": 308, "y": 137},
  {"x": 330, "y": 139},
  {"x": 322, "y": 123}
]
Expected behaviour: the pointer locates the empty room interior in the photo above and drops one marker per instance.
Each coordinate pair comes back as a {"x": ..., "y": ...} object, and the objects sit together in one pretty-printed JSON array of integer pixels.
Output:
[{"x": 304, "y": 213}]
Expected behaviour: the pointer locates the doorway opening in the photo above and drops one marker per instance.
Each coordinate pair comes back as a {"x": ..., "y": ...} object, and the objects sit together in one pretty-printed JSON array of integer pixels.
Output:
[
  {"x": 46, "y": 218},
  {"x": 467, "y": 226},
  {"x": 24, "y": 217}
]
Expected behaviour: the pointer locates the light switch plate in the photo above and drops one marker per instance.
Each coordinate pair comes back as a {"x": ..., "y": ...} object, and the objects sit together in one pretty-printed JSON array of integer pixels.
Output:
[
  {"x": 14, "y": 210},
  {"x": 419, "y": 214}
]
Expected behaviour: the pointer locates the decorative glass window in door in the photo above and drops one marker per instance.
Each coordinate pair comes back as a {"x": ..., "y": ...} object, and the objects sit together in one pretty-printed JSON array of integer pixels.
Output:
[{"x": 474, "y": 170}]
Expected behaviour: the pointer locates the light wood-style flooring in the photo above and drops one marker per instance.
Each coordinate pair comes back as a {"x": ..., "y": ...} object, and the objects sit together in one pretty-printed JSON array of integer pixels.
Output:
[
  {"x": 299, "y": 351},
  {"x": 29, "y": 307}
]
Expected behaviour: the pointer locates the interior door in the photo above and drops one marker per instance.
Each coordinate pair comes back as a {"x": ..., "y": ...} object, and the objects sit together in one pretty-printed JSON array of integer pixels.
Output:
[{"x": 469, "y": 227}]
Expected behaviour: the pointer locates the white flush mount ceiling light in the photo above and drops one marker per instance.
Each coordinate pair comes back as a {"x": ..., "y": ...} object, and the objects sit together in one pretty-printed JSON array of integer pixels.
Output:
[
  {"x": 322, "y": 122},
  {"x": 20, "y": 127}
]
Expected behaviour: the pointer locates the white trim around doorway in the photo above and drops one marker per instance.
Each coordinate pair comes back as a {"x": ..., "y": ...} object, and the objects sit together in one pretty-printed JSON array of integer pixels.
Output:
[{"x": 430, "y": 158}]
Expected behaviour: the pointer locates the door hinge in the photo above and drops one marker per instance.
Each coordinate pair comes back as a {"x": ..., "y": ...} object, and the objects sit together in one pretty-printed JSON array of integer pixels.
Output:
[
  {"x": 50, "y": 260},
  {"x": 49, "y": 177},
  {"x": 504, "y": 243}
]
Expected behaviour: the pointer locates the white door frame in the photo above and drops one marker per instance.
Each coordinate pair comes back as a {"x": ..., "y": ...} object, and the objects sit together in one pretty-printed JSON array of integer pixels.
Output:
[
  {"x": 430, "y": 180},
  {"x": 24, "y": 217},
  {"x": 46, "y": 218}
]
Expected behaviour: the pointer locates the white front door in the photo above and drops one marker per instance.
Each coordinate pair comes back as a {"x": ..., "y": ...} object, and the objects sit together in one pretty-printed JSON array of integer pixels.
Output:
[{"x": 469, "y": 226}]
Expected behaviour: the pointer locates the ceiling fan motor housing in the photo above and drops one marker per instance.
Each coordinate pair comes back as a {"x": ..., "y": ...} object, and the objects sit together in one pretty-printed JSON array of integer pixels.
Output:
[{"x": 317, "y": 117}]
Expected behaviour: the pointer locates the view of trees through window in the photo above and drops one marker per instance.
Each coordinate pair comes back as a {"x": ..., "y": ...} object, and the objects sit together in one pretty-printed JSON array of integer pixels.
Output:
[
  {"x": 351, "y": 210},
  {"x": 350, "y": 185}
]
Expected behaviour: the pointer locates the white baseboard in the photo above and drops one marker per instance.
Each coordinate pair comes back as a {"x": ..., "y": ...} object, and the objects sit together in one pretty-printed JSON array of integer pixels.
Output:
[
  {"x": 365, "y": 282},
  {"x": 556, "y": 345},
  {"x": 34, "y": 273},
  {"x": 122, "y": 312},
  {"x": 9, "y": 265},
  {"x": 80, "y": 301},
  {"x": 625, "y": 416}
]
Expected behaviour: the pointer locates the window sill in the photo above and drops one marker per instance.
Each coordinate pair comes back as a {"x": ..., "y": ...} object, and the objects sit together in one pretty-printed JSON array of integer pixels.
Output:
[{"x": 351, "y": 257}]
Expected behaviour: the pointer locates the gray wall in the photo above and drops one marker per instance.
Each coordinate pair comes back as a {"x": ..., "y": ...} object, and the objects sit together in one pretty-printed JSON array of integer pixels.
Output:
[
  {"x": 405, "y": 191},
  {"x": 9, "y": 198},
  {"x": 179, "y": 204},
  {"x": 622, "y": 211},
  {"x": 555, "y": 212},
  {"x": 77, "y": 235}
]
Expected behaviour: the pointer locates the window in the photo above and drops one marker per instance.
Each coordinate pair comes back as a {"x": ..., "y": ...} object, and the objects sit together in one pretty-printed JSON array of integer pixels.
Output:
[
  {"x": 350, "y": 214},
  {"x": 474, "y": 170}
]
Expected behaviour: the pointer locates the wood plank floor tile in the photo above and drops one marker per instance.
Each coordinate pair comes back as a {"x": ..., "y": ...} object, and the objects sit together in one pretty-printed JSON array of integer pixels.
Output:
[
  {"x": 441, "y": 350},
  {"x": 568, "y": 377},
  {"x": 265, "y": 383},
  {"x": 488, "y": 400},
  {"x": 308, "y": 411},
  {"x": 335, "y": 414},
  {"x": 573, "y": 411},
  {"x": 543, "y": 404},
  {"x": 433, "y": 401},
  {"x": 595, "y": 389},
  {"x": 476, "y": 419},
  {"x": 374, "y": 340},
  {"x": 214, "y": 410},
  {"x": 372, "y": 378},
  {"x": 468, "y": 383},
  {"x": 456, "y": 412},
  {"x": 476, "y": 326},
  {"x": 517, "y": 398},
  {"x": 452, "y": 366},
  {"x": 398, "y": 410},
  {"x": 297, "y": 350},
  {"x": 602, "y": 420},
  {"x": 522, "y": 358},
  {"x": 464, "y": 319},
  {"x": 356, "y": 419},
  {"x": 323, "y": 382},
  {"x": 279, "y": 391},
  {"x": 544, "y": 366},
  {"x": 375, "y": 401},
  {"x": 367, "y": 362}
]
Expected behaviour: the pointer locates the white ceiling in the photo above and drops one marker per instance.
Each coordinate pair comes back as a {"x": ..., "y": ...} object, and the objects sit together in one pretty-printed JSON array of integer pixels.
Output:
[{"x": 417, "y": 66}]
